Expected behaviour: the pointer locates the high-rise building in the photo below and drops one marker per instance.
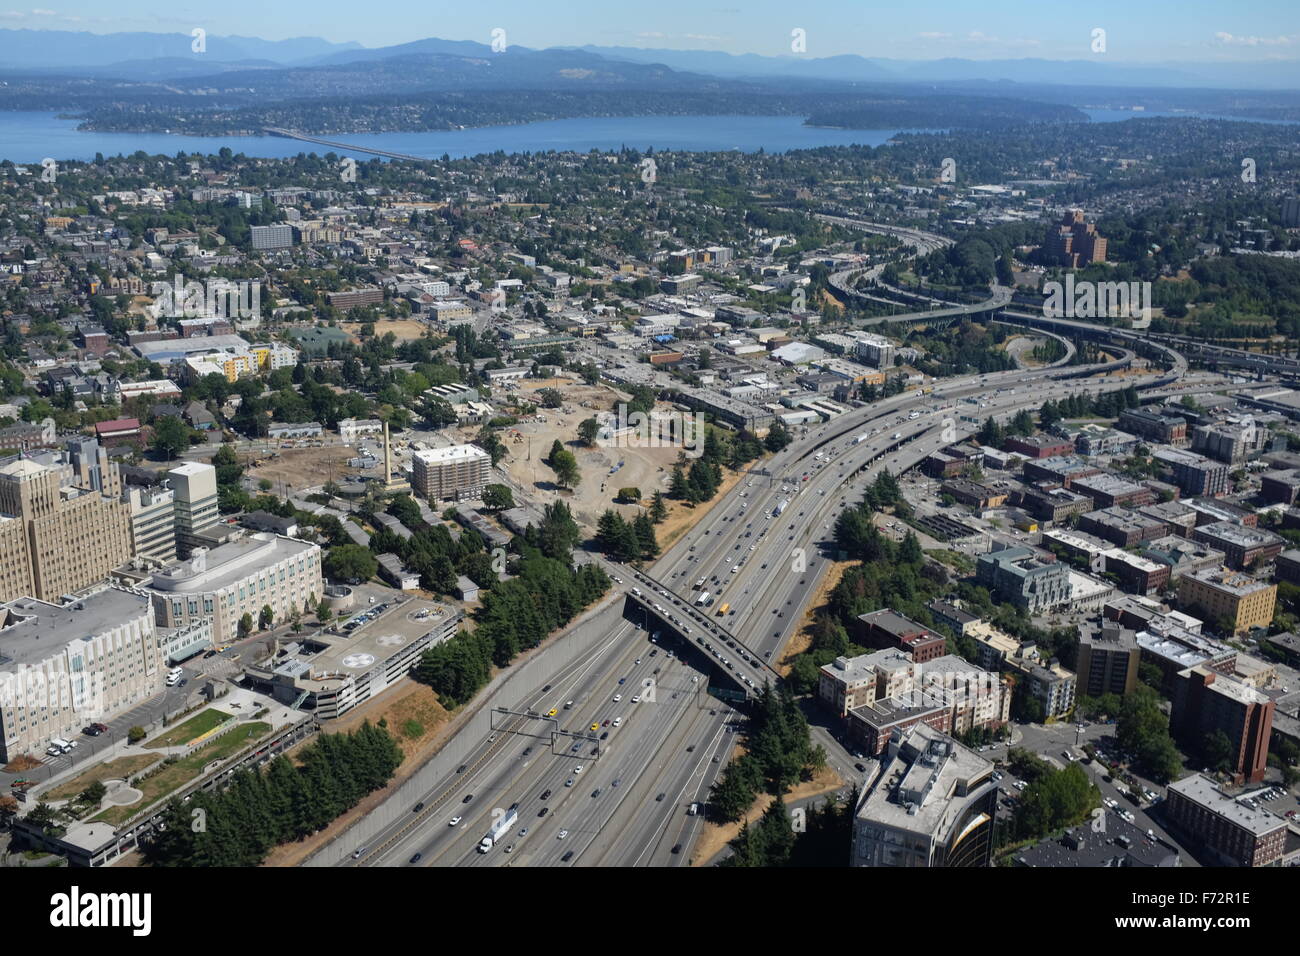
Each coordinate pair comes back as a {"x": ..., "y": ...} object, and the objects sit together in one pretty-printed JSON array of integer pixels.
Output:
[
  {"x": 1108, "y": 660},
  {"x": 278, "y": 236},
  {"x": 63, "y": 525},
  {"x": 931, "y": 805},
  {"x": 450, "y": 474},
  {"x": 153, "y": 522},
  {"x": 1235, "y": 598},
  {"x": 1073, "y": 242},
  {"x": 1206, "y": 702},
  {"x": 195, "y": 487}
]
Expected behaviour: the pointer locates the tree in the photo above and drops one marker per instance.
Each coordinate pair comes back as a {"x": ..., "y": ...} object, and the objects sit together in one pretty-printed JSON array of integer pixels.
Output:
[
  {"x": 629, "y": 496},
  {"x": 565, "y": 466},
  {"x": 171, "y": 436},
  {"x": 265, "y": 618},
  {"x": 497, "y": 497},
  {"x": 351, "y": 562},
  {"x": 135, "y": 734},
  {"x": 437, "y": 413},
  {"x": 658, "y": 509},
  {"x": 588, "y": 429},
  {"x": 295, "y": 621},
  {"x": 323, "y": 611},
  {"x": 778, "y": 436},
  {"x": 550, "y": 398},
  {"x": 245, "y": 625},
  {"x": 94, "y": 793}
]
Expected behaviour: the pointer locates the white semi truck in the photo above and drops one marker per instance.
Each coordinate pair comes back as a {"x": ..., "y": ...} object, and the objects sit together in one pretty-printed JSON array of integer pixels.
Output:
[{"x": 498, "y": 830}]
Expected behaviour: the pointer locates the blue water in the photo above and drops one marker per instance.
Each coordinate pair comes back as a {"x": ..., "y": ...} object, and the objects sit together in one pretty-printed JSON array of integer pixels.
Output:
[{"x": 29, "y": 137}]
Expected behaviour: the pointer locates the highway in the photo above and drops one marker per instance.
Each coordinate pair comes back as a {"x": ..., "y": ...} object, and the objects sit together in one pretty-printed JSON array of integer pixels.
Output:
[{"x": 666, "y": 742}]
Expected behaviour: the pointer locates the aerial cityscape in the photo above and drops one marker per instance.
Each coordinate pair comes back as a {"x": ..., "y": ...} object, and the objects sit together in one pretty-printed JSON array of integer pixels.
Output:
[{"x": 552, "y": 438}]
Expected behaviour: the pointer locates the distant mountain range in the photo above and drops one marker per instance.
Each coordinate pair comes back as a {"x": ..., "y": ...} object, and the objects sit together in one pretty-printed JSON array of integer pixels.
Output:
[{"x": 162, "y": 56}]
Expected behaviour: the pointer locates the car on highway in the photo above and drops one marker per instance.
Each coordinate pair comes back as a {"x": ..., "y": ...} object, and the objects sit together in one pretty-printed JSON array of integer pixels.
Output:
[
  {"x": 660, "y": 798},
  {"x": 636, "y": 699},
  {"x": 567, "y": 857},
  {"x": 577, "y": 770},
  {"x": 416, "y": 858},
  {"x": 552, "y": 712},
  {"x": 595, "y": 726},
  {"x": 562, "y": 834},
  {"x": 618, "y": 721},
  {"x": 418, "y": 807},
  {"x": 454, "y": 821},
  {"x": 468, "y": 798},
  {"x": 543, "y": 812}
]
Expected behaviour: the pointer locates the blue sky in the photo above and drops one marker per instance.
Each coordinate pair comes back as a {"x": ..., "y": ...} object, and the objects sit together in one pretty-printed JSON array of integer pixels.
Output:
[{"x": 1188, "y": 31}]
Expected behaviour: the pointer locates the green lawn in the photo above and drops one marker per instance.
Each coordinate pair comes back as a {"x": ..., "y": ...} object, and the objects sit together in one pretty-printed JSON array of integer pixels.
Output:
[
  {"x": 186, "y": 769},
  {"x": 123, "y": 768},
  {"x": 196, "y": 726}
]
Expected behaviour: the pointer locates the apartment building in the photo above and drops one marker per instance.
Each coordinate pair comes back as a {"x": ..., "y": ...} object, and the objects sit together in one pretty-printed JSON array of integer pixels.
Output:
[
  {"x": 1234, "y": 833},
  {"x": 1107, "y": 661},
  {"x": 1194, "y": 474},
  {"x": 1229, "y": 596},
  {"x": 1242, "y": 547},
  {"x": 1206, "y": 702},
  {"x": 237, "y": 578},
  {"x": 1168, "y": 429},
  {"x": 932, "y": 805},
  {"x": 888, "y": 629},
  {"x": 1028, "y": 578},
  {"x": 1109, "y": 491},
  {"x": 1122, "y": 527},
  {"x": 63, "y": 525},
  {"x": 450, "y": 474},
  {"x": 270, "y": 238}
]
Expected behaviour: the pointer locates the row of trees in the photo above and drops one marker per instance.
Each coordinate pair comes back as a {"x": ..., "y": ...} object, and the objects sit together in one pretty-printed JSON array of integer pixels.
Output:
[
  {"x": 627, "y": 541},
  {"x": 779, "y": 753},
  {"x": 239, "y": 825},
  {"x": 517, "y": 614}
]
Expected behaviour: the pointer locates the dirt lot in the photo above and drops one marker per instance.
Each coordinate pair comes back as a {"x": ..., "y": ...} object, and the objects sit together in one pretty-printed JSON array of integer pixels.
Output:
[
  {"x": 645, "y": 468},
  {"x": 404, "y": 329},
  {"x": 299, "y": 468}
]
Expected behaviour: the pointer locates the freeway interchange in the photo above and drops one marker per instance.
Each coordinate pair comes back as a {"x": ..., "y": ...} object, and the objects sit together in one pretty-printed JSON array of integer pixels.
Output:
[{"x": 634, "y": 710}]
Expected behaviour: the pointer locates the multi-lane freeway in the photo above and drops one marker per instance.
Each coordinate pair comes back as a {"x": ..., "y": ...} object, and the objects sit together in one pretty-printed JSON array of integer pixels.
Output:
[{"x": 634, "y": 710}]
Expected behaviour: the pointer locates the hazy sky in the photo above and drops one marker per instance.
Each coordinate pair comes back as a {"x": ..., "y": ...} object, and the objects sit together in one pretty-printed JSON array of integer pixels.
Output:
[{"x": 1136, "y": 30}]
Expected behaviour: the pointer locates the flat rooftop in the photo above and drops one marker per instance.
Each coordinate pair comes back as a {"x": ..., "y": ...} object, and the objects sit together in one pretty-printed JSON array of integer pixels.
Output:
[
  {"x": 359, "y": 651},
  {"x": 1205, "y": 792},
  {"x": 918, "y": 783},
  {"x": 452, "y": 453},
  {"x": 228, "y": 563},
  {"x": 40, "y": 630}
]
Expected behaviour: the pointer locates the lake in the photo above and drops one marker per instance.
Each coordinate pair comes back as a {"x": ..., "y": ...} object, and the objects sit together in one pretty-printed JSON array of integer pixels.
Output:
[{"x": 27, "y": 137}]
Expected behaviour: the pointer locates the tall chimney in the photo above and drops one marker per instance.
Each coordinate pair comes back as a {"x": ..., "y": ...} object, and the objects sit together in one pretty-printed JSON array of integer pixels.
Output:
[{"x": 388, "y": 459}]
